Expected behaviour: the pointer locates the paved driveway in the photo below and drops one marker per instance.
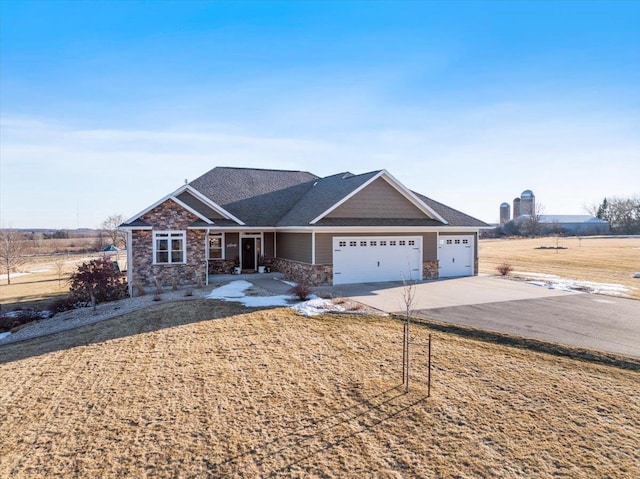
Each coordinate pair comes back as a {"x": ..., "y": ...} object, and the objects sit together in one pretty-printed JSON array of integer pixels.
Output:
[{"x": 589, "y": 321}]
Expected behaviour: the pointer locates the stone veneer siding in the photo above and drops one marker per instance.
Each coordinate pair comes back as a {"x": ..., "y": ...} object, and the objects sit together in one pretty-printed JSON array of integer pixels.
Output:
[
  {"x": 168, "y": 216},
  {"x": 430, "y": 270},
  {"x": 314, "y": 275}
]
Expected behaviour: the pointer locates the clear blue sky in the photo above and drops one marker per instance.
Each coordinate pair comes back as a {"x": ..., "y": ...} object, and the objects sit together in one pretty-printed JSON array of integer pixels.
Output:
[{"x": 108, "y": 106}]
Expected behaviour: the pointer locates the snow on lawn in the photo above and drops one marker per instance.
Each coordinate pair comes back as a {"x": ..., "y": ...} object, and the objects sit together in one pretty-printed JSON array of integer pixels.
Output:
[
  {"x": 552, "y": 281},
  {"x": 4, "y": 335},
  {"x": 236, "y": 291}
]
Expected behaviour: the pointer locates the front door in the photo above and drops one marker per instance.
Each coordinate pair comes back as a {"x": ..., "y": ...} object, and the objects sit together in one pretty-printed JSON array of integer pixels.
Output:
[{"x": 248, "y": 253}]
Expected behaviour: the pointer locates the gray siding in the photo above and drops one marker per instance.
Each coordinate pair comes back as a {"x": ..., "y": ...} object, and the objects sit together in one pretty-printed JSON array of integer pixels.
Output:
[
  {"x": 294, "y": 246},
  {"x": 324, "y": 245},
  {"x": 197, "y": 205},
  {"x": 267, "y": 248},
  {"x": 232, "y": 241},
  {"x": 378, "y": 200}
]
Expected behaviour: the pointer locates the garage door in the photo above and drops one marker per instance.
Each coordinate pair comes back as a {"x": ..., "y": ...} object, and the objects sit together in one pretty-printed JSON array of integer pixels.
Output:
[
  {"x": 455, "y": 256},
  {"x": 370, "y": 259}
]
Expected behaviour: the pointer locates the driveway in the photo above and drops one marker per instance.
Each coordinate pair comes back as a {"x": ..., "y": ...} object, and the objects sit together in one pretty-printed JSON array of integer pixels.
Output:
[{"x": 590, "y": 321}]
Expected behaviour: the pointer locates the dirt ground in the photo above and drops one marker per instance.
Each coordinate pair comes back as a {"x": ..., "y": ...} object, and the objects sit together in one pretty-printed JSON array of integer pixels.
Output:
[
  {"x": 603, "y": 260},
  {"x": 209, "y": 389}
]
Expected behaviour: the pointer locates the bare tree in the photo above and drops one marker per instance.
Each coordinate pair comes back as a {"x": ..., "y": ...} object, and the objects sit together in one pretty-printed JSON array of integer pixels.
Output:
[
  {"x": 532, "y": 226},
  {"x": 110, "y": 226},
  {"x": 60, "y": 267},
  {"x": 408, "y": 299},
  {"x": 13, "y": 250}
]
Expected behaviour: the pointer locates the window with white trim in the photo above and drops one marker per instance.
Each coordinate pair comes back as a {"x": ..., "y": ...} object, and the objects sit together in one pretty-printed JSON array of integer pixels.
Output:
[
  {"x": 216, "y": 242},
  {"x": 169, "y": 247}
]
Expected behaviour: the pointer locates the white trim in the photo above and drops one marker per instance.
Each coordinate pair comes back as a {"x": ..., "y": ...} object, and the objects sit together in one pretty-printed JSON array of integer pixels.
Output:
[
  {"x": 408, "y": 194},
  {"x": 378, "y": 229},
  {"x": 130, "y": 262},
  {"x": 191, "y": 210},
  {"x": 170, "y": 234},
  {"x": 257, "y": 235},
  {"x": 198, "y": 195},
  {"x": 131, "y": 228},
  {"x": 224, "y": 245},
  {"x": 215, "y": 206}
]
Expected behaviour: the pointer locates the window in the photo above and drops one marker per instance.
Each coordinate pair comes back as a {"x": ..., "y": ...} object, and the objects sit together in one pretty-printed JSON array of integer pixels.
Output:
[
  {"x": 403, "y": 243},
  {"x": 383, "y": 243},
  {"x": 457, "y": 241},
  {"x": 392, "y": 243},
  {"x": 372, "y": 243},
  {"x": 465, "y": 241},
  {"x": 412, "y": 243},
  {"x": 353, "y": 243},
  {"x": 449, "y": 242},
  {"x": 215, "y": 246},
  {"x": 363, "y": 243},
  {"x": 342, "y": 243},
  {"x": 169, "y": 247}
]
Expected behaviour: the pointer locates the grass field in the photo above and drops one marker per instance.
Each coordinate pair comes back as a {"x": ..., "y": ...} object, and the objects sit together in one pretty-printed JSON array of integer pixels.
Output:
[
  {"x": 208, "y": 389},
  {"x": 603, "y": 260}
]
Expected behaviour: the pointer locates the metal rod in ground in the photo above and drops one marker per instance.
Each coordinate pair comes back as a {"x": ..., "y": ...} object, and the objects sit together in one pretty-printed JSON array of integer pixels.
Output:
[
  {"x": 404, "y": 352},
  {"x": 429, "y": 370},
  {"x": 406, "y": 384}
]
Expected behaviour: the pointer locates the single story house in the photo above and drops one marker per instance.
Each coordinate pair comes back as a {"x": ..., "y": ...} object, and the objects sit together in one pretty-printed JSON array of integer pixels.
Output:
[{"x": 343, "y": 228}]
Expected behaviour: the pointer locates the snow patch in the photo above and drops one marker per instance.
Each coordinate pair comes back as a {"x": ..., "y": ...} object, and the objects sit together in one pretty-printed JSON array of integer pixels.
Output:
[
  {"x": 4, "y": 335},
  {"x": 317, "y": 306},
  {"x": 552, "y": 281},
  {"x": 236, "y": 291}
]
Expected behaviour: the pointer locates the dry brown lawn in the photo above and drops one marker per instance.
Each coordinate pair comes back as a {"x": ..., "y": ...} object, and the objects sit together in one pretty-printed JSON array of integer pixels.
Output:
[
  {"x": 43, "y": 285},
  {"x": 208, "y": 389},
  {"x": 603, "y": 260}
]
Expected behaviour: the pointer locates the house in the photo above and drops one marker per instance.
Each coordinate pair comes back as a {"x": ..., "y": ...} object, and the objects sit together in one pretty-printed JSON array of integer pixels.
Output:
[{"x": 343, "y": 228}]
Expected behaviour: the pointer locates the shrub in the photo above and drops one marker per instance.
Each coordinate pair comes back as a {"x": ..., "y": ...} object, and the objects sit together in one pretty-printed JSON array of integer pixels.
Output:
[
  {"x": 301, "y": 291},
  {"x": 99, "y": 281},
  {"x": 61, "y": 305},
  {"x": 504, "y": 269},
  {"x": 18, "y": 317}
]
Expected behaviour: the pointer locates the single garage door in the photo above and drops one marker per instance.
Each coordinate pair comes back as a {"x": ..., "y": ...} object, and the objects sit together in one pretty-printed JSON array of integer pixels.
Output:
[
  {"x": 370, "y": 259},
  {"x": 455, "y": 256}
]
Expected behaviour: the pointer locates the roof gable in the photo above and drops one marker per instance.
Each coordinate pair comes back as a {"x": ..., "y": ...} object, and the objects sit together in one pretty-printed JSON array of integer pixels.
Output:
[
  {"x": 377, "y": 200},
  {"x": 191, "y": 205},
  {"x": 397, "y": 186}
]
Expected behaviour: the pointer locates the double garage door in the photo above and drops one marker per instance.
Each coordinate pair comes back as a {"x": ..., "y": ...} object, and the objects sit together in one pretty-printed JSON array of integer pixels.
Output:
[{"x": 370, "y": 259}]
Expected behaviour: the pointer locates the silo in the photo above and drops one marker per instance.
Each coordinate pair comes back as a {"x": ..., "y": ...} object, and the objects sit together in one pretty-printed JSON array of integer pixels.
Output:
[
  {"x": 527, "y": 203},
  {"x": 505, "y": 212},
  {"x": 516, "y": 208}
]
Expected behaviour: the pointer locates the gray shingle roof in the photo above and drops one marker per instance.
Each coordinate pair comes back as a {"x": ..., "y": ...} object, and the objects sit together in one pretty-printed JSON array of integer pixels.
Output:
[
  {"x": 257, "y": 197},
  {"x": 452, "y": 217},
  {"x": 295, "y": 198},
  {"x": 323, "y": 194}
]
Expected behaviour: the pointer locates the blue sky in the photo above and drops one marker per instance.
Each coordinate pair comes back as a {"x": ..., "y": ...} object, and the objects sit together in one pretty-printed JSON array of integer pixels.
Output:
[{"x": 108, "y": 106}]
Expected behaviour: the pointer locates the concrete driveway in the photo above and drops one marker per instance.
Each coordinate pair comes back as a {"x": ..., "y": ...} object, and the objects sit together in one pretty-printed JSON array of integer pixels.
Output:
[{"x": 590, "y": 321}]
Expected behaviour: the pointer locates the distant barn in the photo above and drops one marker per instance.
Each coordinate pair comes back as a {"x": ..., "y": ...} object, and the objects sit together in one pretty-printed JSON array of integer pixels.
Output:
[{"x": 579, "y": 225}]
